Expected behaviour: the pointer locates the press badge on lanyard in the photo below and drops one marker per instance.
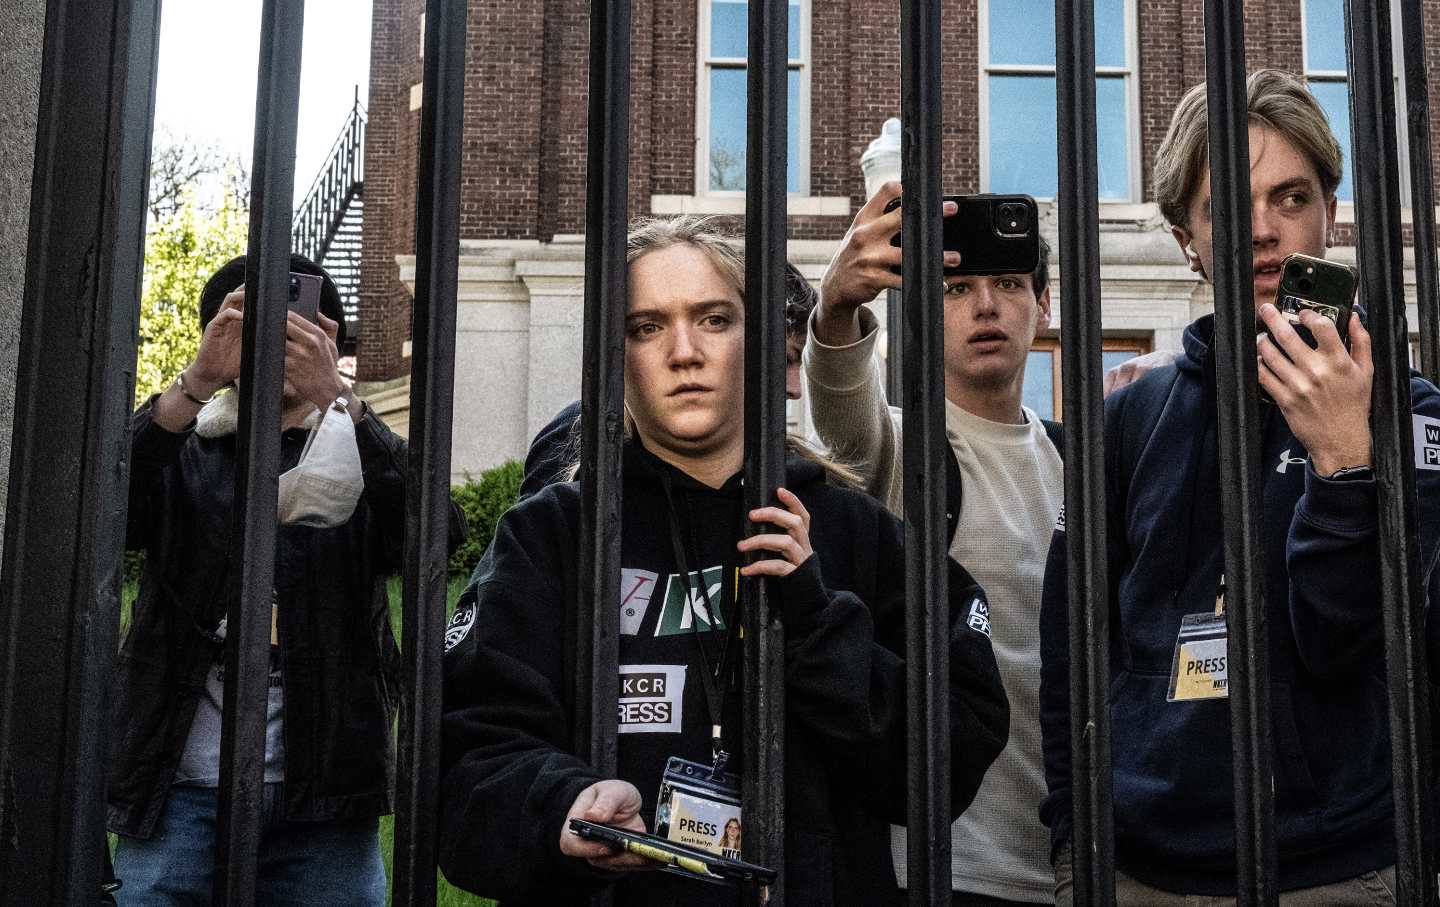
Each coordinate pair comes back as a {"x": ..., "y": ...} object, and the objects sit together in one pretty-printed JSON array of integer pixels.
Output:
[
  {"x": 1200, "y": 670},
  {"x": 699, "y": 807}
]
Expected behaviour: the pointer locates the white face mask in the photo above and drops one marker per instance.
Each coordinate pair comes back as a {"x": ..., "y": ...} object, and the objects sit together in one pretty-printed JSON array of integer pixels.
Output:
[{"x": 323, "y": 488}]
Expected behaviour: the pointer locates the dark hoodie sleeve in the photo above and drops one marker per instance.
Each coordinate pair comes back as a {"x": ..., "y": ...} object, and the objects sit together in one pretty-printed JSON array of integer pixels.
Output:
[
  {"x": 551, "y": 451},
  {"x": 845, "y": 677},
  {"x": 508, "y": 776},
  {"x": 1057, "y": 809},
  {"x": 383, "y": 458},
  {"x": 1333, "y": 556},
  {"x": 152, "y": 451}
]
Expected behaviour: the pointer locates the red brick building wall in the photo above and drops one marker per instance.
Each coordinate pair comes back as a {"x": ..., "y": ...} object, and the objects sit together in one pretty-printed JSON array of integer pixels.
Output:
[
  {"x": 390, "y": 152},
  {"x": 524, "y": 151}
]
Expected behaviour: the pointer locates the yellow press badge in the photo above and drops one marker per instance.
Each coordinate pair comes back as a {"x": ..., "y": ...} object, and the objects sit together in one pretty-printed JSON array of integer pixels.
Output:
[
  {"x": 1200, "y": 670},
  {"x": 699, "y": 807}
]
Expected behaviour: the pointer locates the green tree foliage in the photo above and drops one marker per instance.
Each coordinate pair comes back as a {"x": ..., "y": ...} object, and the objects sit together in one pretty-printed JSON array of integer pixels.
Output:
[
  {"x": 187, "y": 240},
  {"x": 484, "y": 501}
]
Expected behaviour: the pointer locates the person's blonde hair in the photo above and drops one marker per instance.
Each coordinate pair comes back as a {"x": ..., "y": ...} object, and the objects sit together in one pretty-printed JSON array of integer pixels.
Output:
[
  {"x": 706, "y": 234},
  {"x": 1273, "y": 98}
]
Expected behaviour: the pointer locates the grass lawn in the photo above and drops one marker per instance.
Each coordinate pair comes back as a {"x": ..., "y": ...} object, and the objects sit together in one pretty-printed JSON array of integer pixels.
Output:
[{"x": 447, "y": 895}]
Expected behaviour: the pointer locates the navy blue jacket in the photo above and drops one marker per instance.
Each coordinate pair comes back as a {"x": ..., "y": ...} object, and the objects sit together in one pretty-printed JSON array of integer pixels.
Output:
[{"x": 1174, "y": 823}]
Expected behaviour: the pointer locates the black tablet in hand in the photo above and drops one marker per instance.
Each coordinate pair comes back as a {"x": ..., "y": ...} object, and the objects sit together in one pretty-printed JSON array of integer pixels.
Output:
[{"x": 689, "y": 861}]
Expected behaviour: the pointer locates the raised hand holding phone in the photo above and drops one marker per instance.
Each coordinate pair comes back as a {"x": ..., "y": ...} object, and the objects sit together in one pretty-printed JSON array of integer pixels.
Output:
[
  {"x": 1326, "y": 288},
  {"x": 863, "y": 267},
  {"x": 987, "y": 235},
  {"x": 1324, "y": 393}
]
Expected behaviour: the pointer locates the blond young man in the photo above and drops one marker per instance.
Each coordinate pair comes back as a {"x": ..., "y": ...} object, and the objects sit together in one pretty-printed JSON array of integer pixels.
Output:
[
  {"x": 1174, "y": 825},
  {"x": 1006, "y": 479}
]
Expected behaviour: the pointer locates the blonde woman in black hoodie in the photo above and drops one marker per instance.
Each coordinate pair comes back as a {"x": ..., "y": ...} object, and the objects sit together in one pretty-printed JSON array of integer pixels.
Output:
[{"x": 511, "y": 783}]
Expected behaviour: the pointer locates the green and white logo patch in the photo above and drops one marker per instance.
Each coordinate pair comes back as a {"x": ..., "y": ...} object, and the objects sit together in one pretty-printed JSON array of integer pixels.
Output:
[{"x": 685, "y": 611}]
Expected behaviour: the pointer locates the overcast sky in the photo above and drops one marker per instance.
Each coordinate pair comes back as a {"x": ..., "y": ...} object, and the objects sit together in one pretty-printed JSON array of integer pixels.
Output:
[{"x": 209, "y": 58}]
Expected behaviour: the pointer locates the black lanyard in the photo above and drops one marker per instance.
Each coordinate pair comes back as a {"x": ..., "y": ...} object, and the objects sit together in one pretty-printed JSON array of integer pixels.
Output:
[{"x": 713, "y": 683}]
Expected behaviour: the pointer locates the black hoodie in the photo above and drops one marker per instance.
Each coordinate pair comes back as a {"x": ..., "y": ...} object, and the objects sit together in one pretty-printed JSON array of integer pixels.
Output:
[{"x": 509, "y": 776}]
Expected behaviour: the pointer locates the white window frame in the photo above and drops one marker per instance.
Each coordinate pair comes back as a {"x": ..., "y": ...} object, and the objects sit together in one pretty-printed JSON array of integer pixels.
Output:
[
  {"x": 705, "y": 63},
  {"x": 1130, "y": 72},
  {"x": 1346, "y": 212}
]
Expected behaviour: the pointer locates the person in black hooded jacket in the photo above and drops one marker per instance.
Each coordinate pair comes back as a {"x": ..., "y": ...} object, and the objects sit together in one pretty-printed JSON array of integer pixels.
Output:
[
  {"x": 510, "y": 779},
  {"x": 1319, "y": 555}
]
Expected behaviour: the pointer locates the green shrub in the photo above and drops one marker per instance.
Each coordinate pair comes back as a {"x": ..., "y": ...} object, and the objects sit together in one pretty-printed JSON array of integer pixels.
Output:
[
  {"x": 484, "y": 501},
  {"x": 134, "y": 566}
]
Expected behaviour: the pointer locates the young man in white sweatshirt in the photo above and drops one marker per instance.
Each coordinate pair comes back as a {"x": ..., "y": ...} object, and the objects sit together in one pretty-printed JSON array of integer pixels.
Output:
[{"x": 1012, "y": 489}]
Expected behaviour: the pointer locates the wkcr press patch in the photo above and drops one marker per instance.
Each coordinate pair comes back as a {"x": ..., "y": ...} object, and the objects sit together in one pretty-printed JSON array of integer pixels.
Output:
[{"x": 1427, "y": 443}]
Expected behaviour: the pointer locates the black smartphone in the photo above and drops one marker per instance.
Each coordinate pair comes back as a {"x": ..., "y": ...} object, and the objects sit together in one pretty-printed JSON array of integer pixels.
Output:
[
  {"x": 1326, "y": 288},
  {"x": 994, "y": 234},
  {"x": 305, "y": 295},
  {"x": 677, "y": 858}
]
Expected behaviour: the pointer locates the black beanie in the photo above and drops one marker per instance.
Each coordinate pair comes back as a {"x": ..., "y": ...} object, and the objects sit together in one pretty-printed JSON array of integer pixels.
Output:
[{"x": 232, "y": 275}]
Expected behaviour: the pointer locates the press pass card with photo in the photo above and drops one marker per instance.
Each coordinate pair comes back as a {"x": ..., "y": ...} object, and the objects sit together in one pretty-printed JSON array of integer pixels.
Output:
[
  {"x": 699, "y": 807},
  {"x": 1199, "y": 670}
]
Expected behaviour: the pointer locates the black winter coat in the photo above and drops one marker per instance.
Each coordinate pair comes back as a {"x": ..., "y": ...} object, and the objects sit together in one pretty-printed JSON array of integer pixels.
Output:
[
  {"x": 338, "y": 656},
  {"x": 509, "y": 775}
]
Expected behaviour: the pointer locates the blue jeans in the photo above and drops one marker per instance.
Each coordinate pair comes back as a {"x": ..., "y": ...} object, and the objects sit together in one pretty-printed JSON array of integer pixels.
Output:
[{"x": 300, "y": 862}]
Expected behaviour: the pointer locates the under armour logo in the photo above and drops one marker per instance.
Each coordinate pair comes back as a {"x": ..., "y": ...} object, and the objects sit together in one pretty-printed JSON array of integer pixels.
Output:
[{"x": 1286, "y": 461}]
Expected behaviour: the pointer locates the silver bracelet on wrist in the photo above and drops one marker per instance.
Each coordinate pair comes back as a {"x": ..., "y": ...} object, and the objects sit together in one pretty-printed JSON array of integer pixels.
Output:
[{"x": 180, "y": 381}]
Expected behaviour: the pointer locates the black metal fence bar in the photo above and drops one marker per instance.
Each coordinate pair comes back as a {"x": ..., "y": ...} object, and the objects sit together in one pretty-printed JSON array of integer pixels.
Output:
[
  {"x": 763, "y": 707},
  {"x": 1239, "y": 434},
  {"x": 427, "y": 493},
  {"x": 1088, "y": 610},
  {"x": 1422, "y": 184},
  {"x": 65, "y": 513},
  {"x": 925, "y": 448},
  {"x": 894, "y": 355},
  {"x": 247, "y": 643},
  {"x": 603, "y": 386},
  {"x": 1382, "y": 288}
]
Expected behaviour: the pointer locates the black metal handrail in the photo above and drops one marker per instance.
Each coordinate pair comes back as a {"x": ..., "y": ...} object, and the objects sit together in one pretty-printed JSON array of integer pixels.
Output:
[{"x": 340, "y": 180}]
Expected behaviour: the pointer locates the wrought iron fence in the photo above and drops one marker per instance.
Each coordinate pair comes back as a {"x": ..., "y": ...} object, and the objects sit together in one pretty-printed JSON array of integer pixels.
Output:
[{"x": 66, "y": 505}]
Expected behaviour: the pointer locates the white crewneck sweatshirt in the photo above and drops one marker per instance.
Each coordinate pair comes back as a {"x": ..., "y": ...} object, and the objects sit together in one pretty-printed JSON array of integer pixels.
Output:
[{"x": 1013, "y": 486}]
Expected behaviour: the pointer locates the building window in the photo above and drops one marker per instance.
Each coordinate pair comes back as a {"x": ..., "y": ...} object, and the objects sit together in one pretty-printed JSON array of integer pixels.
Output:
[
  {"x": 1017, "y": 98},
  {"x": 721, "y": 102},
  {"x": 1042, "y": 389},
  {"x": 1324, "y": 47}
]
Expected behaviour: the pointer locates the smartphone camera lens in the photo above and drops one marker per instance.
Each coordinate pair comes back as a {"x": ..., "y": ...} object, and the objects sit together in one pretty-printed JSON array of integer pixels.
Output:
[
  {"x": 1012, "y": 219},
  {"x": 294, "y": 288}
]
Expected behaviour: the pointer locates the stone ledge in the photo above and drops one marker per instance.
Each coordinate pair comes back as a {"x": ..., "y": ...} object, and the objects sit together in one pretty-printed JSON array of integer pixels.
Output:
[{"x": 796, "y": 206}]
